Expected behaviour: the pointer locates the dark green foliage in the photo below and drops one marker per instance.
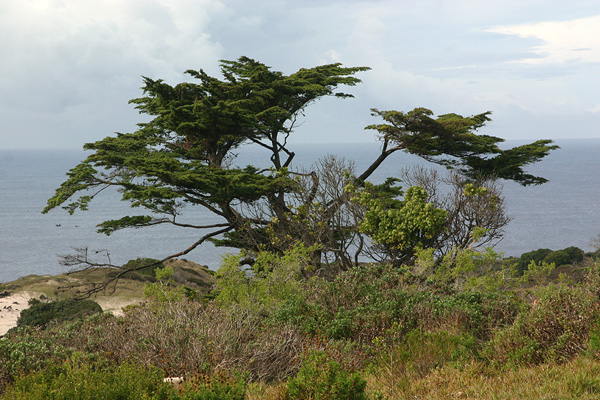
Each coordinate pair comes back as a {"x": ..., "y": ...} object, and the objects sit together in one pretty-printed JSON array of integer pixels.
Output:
[
  {"x": 526, "y": 258},
  {"x": 41, "y": 314},
  {"x": 322, "y": 378},
  {"x": 148, "y": 272},
  {"x": 566, "y": 256},
  {"x": 450, "y": 140},
  {"x": 575, "y": 254},
  {"x": 558, "y": 257},
  {"x": 77, "y": 380},
  {"x": 181, "y": 157}
]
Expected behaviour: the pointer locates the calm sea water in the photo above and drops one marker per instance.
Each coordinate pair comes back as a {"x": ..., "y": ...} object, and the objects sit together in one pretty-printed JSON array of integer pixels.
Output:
[{"x": 563, "y": 212}]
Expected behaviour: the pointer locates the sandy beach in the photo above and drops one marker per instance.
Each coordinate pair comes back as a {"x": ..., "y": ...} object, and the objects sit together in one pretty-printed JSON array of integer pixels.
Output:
[{"x": 11, "y": 307}]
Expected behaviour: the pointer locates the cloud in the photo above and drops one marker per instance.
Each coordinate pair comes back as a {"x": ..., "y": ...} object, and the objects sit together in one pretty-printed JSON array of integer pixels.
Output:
[
  {"x": 70, "y": 65},
  {"x": 561, "y": 41}
]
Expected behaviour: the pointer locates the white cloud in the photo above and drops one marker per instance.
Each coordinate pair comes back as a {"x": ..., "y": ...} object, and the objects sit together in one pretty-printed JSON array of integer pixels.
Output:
[
  {"x": 562, "y": 41},
  {"x": 75, "y": 64},
  {"x": 69, "y": 67}
]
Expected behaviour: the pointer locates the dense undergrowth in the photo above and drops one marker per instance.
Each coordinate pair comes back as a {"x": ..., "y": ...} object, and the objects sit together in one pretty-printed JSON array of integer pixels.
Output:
[{"x": 468, "y": 326}]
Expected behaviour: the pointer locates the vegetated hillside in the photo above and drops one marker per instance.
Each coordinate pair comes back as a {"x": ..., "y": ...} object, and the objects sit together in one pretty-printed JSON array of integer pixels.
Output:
[
  {"x": 128, "y": 290},
  {"x": 469, "y": 326}
]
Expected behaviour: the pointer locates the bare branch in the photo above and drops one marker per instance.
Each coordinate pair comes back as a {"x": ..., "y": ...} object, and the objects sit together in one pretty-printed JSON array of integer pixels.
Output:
[
  {"x": 385, "y": 153},
  {"x": 108, "y": 285}
]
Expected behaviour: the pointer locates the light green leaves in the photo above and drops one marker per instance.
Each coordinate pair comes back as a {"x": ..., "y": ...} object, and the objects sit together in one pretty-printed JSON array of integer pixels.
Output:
[{"x": 402, "y": 225}]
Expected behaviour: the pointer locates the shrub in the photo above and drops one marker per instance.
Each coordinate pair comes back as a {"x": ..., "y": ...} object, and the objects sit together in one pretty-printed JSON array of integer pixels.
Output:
[
  {"x": 558, "y": 258},
  {"x": 78, "y": 380},
  {"x": 536, "y": 274},
  {"x": 322, "y": 378},
  {"x": 272, "y": 279},
  {"x": 41, "y": 314},
  {"x": 184, "y": 337},
  {"x": 360, "y": 303},
  {"x": 148, "y": 273},
  {"x": 18, "y": 357},
  {"x": 554, "y": 329},
  {"x": 26, "y": 350},
  {"x": 526, "y": 258},
  {"x": 221, "y": 385},
  {"x": 575, "y": 254},
  {"x": 566, "y": 256},
  {"x": 179, "y": 337}
]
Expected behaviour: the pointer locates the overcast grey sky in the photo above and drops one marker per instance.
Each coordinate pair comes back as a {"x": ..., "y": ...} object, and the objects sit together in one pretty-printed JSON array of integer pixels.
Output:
[{"x": 68, "y": 68}]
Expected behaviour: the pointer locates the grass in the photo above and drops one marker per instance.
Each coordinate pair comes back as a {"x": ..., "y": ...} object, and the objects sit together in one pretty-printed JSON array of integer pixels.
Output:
[
  {"x": 576, "y": 379},
  {"x": 375, "y": 332}
]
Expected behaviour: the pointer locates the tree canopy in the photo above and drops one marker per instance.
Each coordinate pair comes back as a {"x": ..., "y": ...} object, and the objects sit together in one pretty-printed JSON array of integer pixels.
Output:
[
  {"x": 183, "y": 157},
  {"x": 450, "y": 140}
]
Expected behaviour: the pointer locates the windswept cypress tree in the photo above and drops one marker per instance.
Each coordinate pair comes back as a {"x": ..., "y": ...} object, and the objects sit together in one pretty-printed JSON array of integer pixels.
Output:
[{"x": 182, "y": 158}]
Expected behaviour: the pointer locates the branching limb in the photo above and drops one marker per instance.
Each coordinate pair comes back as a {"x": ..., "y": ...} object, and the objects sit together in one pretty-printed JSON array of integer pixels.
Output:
[{"x": 109, "y": 284}]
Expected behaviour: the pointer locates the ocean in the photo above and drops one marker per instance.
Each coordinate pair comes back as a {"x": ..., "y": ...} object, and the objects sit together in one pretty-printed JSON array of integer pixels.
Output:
[{"x": 563, "y": 212}]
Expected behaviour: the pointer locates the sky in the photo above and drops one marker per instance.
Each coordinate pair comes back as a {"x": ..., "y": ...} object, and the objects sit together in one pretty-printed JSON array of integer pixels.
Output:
[{"x": 68, "y": 68}]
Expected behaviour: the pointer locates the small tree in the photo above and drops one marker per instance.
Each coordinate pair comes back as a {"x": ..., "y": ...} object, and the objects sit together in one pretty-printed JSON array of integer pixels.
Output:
[
  {"x": 399, "y": 227},
  {"x": 476, "y": 211}
]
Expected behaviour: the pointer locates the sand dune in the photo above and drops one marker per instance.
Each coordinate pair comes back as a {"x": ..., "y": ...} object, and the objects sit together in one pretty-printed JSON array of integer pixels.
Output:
[{"x": 11, "y": 307}]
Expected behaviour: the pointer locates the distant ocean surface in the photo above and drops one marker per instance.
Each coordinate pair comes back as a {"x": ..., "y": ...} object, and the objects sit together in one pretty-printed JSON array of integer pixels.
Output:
[{"x": 563, "y": 212}]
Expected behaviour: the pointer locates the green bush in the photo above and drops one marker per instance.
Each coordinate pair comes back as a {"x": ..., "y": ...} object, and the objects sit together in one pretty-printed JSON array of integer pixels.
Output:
[
  {"x": 148, "y": 273},
  {"x": 526, "y": 258},
  {"x": 25, "y": 350},
  {"x": 77, "y": 380},
  {"x": 575, "y": 254},
  {"x": 221, "y": 385},
  {"x": 554, "y": 329},
  {"x": 22, "y": 355},
  {"x": 321, "y": 378},
  {"x": 566, "y": 256},
  {"x": 558, "y": 258},
  {"x": 272, "y": 280},
  {"x": 41, "y": 314},
  {"x": 360, "y": 303}
]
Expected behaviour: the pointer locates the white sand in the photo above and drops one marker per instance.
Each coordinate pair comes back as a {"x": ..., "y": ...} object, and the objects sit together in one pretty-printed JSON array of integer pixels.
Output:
[{"x": 10, "y": 309}]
